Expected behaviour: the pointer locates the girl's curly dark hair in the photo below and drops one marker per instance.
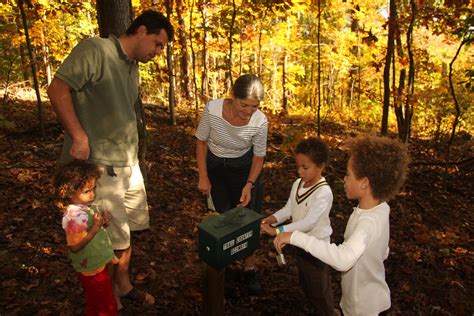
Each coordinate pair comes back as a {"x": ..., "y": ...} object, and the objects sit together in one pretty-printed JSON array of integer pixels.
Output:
[
  {"x": 71, "y": 177},
  {"x": 315, "y": 148},
  {"x": 383, "y": 161}
]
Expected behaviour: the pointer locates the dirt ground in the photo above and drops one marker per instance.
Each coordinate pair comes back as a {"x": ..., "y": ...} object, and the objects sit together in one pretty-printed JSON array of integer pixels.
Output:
[{"x": 429, "y": 269}]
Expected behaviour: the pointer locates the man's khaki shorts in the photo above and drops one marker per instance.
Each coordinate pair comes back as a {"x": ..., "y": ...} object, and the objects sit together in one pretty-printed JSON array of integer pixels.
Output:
[{"x": 124, "y": 196}]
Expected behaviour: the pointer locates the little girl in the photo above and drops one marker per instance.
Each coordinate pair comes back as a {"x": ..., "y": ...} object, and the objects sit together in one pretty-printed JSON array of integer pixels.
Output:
[
  {"x": 90, "y": 249},
  {"x": 308, "y": 206}
]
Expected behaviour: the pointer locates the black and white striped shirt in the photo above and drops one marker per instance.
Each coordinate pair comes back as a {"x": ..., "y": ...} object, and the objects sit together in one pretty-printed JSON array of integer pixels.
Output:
[{"x": 228, "y": 141}]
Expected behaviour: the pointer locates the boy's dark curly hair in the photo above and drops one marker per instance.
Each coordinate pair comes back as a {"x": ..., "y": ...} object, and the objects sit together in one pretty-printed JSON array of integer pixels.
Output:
[
  {"x": 383, "y": 161},
  {"x": 71, "y": 177},
  {"x": 315, "y": 148}
]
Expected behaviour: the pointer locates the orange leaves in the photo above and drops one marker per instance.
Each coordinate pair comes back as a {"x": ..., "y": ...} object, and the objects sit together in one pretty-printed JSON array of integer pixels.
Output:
[
  {"x": 421, "y": 233},
  {"x": 447, "y": 236},
  {"x": 451, "y": 236},
  {"x": 22, "y": 175}
]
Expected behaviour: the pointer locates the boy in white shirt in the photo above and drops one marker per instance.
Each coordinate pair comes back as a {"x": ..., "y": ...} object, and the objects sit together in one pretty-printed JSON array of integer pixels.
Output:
[
  {"x": 376, "y": 171},
  {"x": 308, "y": 206}
]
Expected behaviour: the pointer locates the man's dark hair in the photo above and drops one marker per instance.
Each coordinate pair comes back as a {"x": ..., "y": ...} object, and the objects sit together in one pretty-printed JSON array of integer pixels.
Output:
[{"x": 154, "y": 23}]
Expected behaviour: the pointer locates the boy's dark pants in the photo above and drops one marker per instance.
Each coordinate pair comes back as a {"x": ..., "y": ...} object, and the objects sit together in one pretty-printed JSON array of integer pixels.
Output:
[{"x": 315, "y": 279}]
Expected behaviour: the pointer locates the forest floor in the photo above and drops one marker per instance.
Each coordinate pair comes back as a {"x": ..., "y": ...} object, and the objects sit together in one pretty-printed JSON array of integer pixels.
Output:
[{"x": 429, "y": 269}]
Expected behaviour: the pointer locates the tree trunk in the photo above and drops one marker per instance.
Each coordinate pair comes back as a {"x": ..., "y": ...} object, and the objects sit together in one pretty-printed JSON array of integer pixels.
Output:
[
  {"x": 319, "y": 69},
  {"x": 193, "y": 56},
  {"x": 386, "y": 71},
  {"x": 240, "y": 56},
  {"x": 47, "y": 66},
  {"x": 113, "y": 16},
  {"x": 285, "y": 65},
  {"x": 312, "y": 86},
  {"x": 33, "y": 68},
  {"x": 283, "y": 83},
  {"x": 354, "y": 51},
  {"x": 184, "y": 51},
  {"x": 274, "y": 79},
  {"x": 453, "y": 93},
  {"x": 260, "y": 62},
  {"x": 411, "y": 76},
  {"x": 205, "y": 55},
  {"x": 171, "y": 78},
  {"x": 214, "y": 77},
  {"x": 398, "y": 95},
  {"x": 402, "y": 100},
  {"x": 24, "y": 63},
  {"x": 228, "y": 79}
]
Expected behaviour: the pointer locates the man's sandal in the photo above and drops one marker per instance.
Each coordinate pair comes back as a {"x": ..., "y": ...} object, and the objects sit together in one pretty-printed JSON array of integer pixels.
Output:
[{"x": 138, "y": 296}]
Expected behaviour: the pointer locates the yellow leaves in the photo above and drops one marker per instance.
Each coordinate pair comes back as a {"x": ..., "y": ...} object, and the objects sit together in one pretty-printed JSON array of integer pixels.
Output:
[{"x": 44, "y": 3}]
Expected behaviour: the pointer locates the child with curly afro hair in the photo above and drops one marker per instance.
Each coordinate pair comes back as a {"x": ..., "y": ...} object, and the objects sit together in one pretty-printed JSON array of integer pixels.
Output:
[
  {"x": 376, "y": 171},
  {"x": 90, "y": 248}
]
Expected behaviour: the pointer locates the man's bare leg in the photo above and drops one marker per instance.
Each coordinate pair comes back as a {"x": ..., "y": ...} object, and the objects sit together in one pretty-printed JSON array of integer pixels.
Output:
[
  {"x": 121, "y": 279},
  {"x": 122, "y": 284}
]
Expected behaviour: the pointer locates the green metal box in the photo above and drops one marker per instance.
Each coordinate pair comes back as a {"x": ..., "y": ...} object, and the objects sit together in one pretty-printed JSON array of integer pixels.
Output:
[{"x": 230, "y": 236}]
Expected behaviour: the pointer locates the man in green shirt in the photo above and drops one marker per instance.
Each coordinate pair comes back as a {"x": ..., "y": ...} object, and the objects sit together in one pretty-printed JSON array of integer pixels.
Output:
[{"x": 93, "y": 94}]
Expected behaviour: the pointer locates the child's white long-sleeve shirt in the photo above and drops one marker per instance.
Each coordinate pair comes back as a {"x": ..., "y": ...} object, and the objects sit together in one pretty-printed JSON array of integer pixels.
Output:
[
  {"x": 309, "y": 209},
  {"x": 360, "y": 258}
]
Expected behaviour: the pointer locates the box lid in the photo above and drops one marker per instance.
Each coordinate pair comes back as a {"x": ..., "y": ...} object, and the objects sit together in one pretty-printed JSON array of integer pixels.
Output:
[{"x": 231, "y": 220}]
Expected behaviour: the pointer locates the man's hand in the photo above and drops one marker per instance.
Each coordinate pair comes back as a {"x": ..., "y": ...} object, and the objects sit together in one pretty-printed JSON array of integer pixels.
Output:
[{"x": 80, "y": 148}]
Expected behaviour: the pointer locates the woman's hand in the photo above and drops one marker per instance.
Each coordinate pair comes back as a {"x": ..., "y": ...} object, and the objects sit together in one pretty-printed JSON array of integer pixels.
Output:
[
  {"x": 281, "y": 241},
  {"x": 204, "y": 186},
  {"x": 246, "y": 194}
]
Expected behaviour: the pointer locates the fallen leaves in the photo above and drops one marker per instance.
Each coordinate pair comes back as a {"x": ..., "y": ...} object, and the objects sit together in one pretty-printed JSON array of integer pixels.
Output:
[{"x": 428, "y": 269}]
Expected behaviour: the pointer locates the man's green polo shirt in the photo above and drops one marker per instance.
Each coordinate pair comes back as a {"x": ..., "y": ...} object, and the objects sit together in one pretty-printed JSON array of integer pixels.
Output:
[{"x": 104, "y": 91}]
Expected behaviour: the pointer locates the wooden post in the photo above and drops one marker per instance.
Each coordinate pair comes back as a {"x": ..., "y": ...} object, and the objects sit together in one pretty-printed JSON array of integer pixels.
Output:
[{"x": 213, "y": 291}]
